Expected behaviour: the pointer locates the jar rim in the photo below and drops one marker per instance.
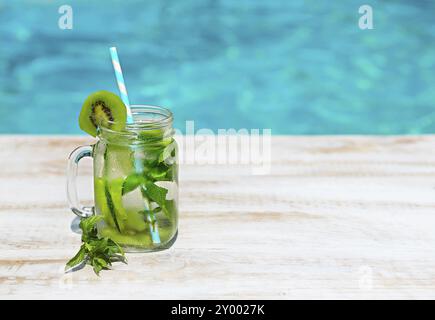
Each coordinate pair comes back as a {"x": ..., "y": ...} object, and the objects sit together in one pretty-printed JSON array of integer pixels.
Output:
[{"x": 146, "y": 117}]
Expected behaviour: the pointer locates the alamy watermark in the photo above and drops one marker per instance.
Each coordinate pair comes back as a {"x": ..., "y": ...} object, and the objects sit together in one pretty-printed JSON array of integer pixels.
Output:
[
  {"x": 65, "y": 21},
  {"x": 366, "y": 19},
  {"x": 245, "y": 147}
]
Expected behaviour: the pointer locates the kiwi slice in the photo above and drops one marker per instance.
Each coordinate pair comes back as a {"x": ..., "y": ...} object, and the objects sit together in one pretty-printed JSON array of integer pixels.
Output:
[{"x": 102, "y": 109}]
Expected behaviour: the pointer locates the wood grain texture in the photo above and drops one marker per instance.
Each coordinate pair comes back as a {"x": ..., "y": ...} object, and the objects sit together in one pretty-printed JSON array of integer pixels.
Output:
[{"x": 337, "y": 217}]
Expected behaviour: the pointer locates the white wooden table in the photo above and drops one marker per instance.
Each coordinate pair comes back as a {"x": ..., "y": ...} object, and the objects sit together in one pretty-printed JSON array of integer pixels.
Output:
[{"x": 338, "y": 217}]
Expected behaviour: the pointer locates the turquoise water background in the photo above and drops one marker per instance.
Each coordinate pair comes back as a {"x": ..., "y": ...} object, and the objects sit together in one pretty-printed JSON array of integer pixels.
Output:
[{"x": 297, "y": 67}]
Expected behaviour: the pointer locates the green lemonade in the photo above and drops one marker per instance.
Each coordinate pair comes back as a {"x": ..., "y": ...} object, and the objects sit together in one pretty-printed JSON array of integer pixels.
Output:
[{"x": 136, "y": 188}]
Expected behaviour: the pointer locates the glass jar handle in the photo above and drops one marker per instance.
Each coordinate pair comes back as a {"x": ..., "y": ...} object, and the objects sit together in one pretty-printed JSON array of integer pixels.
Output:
[{"x": 71, "y": 187}]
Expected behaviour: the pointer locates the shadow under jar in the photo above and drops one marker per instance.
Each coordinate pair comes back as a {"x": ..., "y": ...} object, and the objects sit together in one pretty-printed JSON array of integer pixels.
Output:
[{"x": 135, "y": 181}]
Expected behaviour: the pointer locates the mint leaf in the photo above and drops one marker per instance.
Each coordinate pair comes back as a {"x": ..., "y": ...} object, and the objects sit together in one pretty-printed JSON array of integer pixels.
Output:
[
  {"x": 168, "y": 153},
  {"x": 88, "y": 226},
  {"x": 97, "y": 246},
  {"x": 114, "y": 247},
  {"x": 114, "y": 253},
  {"x": 101, "y": 262},
  {"x": 97, "y": 267},
  {"x": 158, "y": 173},
  {"x": 171, "y": 173},
  {"x": 77, "y": 259},
  {"x": 95, "y": 251},
  {"x": 156, "y": 193},
  {"x": 131, "y": 182}
]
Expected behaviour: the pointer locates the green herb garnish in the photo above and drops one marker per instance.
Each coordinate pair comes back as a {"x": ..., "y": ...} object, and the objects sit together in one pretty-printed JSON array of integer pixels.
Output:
[{"x": 94, "y": 251}]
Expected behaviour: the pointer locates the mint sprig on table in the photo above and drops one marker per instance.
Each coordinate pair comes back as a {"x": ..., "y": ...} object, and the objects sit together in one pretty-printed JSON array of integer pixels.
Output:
[{"x": 97, "y": 252}]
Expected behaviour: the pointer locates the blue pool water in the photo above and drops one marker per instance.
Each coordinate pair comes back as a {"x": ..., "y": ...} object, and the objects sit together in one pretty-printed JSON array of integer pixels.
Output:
[{"x": 297, "y": 67}]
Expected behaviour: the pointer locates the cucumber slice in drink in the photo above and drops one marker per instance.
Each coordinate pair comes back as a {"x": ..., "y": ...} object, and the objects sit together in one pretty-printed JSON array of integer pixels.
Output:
[
  {"x": 115, "y": 190},
  {"x": 109, "y": 203},
  {"x": 101, "y": 201},
  {"x": 142, "y": 239}
]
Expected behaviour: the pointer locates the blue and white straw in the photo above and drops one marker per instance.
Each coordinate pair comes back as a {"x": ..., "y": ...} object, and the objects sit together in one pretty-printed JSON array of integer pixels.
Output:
[
  {"x": 121, "y": 82},
  {"x": 137, "y": 163}
]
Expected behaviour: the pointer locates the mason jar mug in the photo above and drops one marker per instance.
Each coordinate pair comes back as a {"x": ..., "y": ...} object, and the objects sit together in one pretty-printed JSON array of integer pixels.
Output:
[{"x": 135, "y": 181}]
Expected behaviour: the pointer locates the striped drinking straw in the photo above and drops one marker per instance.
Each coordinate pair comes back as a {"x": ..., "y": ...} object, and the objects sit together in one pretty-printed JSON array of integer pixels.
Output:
[
  {"x": 121, "y": 82},
  {"x": 137, "y": 163}
]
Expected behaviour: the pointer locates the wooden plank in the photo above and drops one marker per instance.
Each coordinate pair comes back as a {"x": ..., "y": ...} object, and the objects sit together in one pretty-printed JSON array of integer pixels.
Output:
[{"x": 337, "y": 217}]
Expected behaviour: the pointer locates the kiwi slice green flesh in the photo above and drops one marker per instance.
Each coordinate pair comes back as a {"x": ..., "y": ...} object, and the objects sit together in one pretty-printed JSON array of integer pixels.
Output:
[{"x": 102, "y": 109}]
